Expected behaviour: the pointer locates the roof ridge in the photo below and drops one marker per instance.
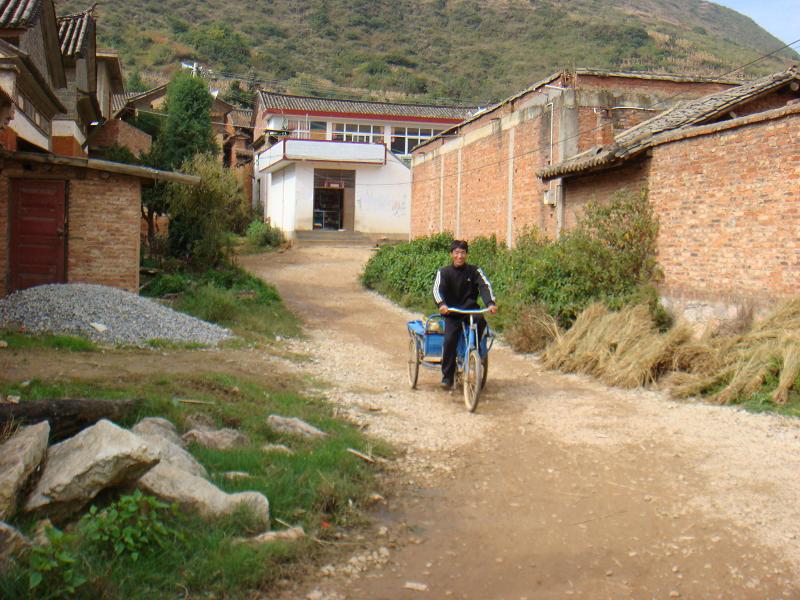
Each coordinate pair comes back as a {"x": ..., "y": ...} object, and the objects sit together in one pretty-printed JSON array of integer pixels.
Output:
[{"x": 366, "y": 101}]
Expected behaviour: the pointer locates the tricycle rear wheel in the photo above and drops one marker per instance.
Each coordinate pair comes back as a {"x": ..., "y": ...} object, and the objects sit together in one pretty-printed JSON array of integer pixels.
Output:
[
  {"x": 472, "y": 380},
  {"x": 413, "y": 362}
]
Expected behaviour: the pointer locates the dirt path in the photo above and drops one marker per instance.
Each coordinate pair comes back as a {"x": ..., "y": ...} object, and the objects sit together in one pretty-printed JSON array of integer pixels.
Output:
[{"x": 557, "y": 486}]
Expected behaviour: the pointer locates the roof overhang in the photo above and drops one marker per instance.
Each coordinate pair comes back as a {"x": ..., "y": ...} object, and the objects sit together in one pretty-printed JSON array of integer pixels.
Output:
[
  {"x": 102, "y": 165},
  {"x": 112, "y": 61},
  {"x": 286, "y": 151}
]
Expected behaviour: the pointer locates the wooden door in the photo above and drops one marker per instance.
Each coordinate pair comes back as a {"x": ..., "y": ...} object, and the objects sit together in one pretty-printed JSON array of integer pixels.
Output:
[{"x": 38, "y": 232}]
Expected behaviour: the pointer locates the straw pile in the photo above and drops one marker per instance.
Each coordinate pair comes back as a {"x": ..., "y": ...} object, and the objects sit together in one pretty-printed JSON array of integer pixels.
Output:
[{"x": 626, "y": 349}]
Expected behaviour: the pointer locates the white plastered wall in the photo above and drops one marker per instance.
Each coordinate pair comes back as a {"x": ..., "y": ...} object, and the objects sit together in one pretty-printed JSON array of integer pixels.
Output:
[{"x": 383, "y": 198}]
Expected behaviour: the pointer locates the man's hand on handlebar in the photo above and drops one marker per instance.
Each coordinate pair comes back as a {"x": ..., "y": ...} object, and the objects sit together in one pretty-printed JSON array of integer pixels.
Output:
[
  {"x": 443, "y": 310},
  {"x": 493, "y": 309}
]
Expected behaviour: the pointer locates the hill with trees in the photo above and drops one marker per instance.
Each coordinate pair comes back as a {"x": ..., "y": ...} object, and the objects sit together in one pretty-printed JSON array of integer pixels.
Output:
[{"x": 472, "y": 51}]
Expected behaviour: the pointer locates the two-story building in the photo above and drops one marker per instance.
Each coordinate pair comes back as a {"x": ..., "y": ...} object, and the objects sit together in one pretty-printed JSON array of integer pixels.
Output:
[{"x": 333, "y": 164}]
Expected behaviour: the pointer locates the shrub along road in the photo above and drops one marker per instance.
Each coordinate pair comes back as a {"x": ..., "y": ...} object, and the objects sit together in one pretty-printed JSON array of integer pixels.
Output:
[{"x": 558, "y": 486}]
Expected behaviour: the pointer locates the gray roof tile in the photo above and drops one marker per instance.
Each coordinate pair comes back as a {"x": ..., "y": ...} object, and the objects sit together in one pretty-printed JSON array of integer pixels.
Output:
[
  {"x": 277, "y": 102},
  {"x": 19, "y": 13},
  {"x": 74, "y": 32}
]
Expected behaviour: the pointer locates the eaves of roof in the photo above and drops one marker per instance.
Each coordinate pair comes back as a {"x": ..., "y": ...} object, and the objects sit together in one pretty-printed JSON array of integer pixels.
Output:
[
  {"x": 74, "y": 32},
  {"x": 102, "y": 165},
  {"x": 277, "y": 103},
  {"x": 25, "y": 65},
  {"x": 19, "y": 13}
]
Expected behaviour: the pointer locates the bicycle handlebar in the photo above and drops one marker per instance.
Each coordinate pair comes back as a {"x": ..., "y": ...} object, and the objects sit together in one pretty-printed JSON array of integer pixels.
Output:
[{"x": 468, "y": 311}]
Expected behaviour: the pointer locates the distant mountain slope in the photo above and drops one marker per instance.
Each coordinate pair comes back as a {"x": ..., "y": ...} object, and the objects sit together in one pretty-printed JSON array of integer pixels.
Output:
[{"x": 455, "y": 50}]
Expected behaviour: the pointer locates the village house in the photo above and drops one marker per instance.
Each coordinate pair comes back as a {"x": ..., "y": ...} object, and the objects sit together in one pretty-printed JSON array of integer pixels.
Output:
[
  {"x": 332, "y": 164},
  {"x": 64, "y": 216},
  {"x": 723, "y": 178},
  {"x": 479, "y": 178}
]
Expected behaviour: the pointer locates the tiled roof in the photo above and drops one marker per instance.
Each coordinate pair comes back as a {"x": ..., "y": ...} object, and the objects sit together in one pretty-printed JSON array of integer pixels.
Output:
[
  {"x": 118, "y": 101},
  {"x": 683, "y": 115},
  {"x": 241, "y": 117},
  {"x": 19, "y": 13},
  {"x": 277, "y": 102},
  {"x": 74, "y": 32}
]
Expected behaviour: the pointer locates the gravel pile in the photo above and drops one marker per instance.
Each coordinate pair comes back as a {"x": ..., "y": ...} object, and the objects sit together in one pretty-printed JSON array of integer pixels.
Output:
[{"x": 103, "y": 314}]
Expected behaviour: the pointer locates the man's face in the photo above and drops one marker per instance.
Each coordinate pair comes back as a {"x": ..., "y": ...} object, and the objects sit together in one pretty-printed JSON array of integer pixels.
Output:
[{"x": 459, "y": 257}]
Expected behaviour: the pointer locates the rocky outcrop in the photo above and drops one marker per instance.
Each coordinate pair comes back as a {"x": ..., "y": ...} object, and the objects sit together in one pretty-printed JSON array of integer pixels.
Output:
[
  {"x": 20, "y": 456},
  {"x": 157, "y": 427},
  {"x": 163, "y": 439},
  {"x": 78, "y": 468},
  {"x": 220, "y": 439},
  {"x": 196, "y": 494},
  {"x": 293, "y": 426}
]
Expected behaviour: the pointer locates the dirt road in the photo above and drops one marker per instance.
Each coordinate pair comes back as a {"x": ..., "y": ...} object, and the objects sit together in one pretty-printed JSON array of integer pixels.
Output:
[{"x": 558, "y": 486}]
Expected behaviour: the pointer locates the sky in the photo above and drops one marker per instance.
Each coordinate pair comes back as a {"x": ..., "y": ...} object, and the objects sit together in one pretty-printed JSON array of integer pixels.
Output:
[{"x": 780, "y": 17}]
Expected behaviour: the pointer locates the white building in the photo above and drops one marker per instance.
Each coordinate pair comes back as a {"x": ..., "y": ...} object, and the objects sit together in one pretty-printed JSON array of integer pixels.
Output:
[{"x": 334, "y": 164}]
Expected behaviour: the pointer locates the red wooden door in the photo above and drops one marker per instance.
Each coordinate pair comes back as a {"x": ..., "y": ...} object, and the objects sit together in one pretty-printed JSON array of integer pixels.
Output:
[{"x": 38, "y": 240}]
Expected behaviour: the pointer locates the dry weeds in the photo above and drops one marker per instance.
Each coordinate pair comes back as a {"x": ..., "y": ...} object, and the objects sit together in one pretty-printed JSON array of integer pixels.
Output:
[{"x": 625, "y": 349}]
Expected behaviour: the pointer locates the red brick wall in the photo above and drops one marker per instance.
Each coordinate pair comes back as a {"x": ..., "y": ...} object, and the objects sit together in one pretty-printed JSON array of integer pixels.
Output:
[
  {"x": 729, "y": 205},
  {"x": 5, "y": 235},
  {"x": 103, "y": 245},
  {"x": 425, "y": 198},
  {"x": 484, "y": 186},
  {"x": 601, "y": 187},
  {"x": 66, "y": 145},
  {"x": 117, "y": 131}
]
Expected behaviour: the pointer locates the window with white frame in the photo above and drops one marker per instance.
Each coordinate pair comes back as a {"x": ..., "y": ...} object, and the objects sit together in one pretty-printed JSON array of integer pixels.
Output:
[
  {"x": 358, "y": 132},
  {"x": 305, "y": 129},
  {"x": 405, "y": 138}
]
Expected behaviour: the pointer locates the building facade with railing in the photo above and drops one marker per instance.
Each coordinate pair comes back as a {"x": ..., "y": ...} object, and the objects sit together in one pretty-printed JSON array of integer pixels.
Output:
[{"x": 332, "y": 164}]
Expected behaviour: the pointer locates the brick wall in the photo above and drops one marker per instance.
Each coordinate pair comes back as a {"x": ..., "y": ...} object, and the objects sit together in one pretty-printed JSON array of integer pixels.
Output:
[
  {"x": 103, "y": 245},
  {"x": 729, "y": 205},
  {"x": 601, "y": 187},
  {"x": 121, "y": 133},
  {"x": 487, "y": 153},
  {"x": 103, "y": 224}
]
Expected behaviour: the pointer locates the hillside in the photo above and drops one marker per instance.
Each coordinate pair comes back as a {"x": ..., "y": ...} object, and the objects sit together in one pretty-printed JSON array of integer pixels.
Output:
[{"x": 452, "y": 50}]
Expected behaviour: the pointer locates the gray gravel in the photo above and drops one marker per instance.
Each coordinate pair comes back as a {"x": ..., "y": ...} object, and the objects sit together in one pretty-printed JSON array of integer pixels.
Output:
[{"x": 129, "y": 319}]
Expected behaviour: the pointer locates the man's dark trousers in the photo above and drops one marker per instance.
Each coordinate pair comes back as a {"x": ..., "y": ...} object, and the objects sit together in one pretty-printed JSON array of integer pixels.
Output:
[{"x": 452, "y": 331}]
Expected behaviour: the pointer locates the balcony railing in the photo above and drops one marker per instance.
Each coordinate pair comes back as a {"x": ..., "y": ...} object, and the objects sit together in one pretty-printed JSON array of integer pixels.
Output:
[{"x": 321, "y": 151}]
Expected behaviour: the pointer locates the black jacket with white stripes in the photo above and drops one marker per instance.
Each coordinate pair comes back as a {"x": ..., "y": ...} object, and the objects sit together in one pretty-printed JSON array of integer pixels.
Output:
[{"x": 458, "y": 287}]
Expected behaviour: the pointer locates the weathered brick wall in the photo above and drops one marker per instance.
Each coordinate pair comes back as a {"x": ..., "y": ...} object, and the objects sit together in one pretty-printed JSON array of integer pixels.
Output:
[
  {"x": 425, "y": 198},
  {"x": 121, "y": 133},
  {"x": 5, "y": 235},
  {"x": 601, "y": 187},
  {"x": 487, "y": 149},
  {"x": 729, "y": 206},
  {"x": 103, "y": 244}
]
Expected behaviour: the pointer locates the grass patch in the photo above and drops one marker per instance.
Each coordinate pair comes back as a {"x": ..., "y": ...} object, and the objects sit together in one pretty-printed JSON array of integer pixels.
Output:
[
  {"x": 230, "y": 297},
  {"x": 27, "y": 341},
  {"x": 320, "y": 482}
]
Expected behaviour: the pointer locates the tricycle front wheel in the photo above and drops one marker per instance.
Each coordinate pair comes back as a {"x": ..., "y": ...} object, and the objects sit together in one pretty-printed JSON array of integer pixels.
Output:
[
  {"x": 472, "y": 380},
  {"x": 413, "y": 362}
]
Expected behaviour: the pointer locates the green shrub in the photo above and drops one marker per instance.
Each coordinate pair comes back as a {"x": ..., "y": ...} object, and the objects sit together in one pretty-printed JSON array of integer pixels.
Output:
[
  {"x": 608, "y": 257},
  {"x": 54, "y": 569},
  {"x": 132, "y": 526},
  {"x": 209, "y": 303},
  {"x": 263, "y": 234}
]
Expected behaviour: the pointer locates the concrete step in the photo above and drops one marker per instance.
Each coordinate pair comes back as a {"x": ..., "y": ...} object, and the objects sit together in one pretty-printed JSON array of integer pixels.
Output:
[{"x": 334, "y": 238}]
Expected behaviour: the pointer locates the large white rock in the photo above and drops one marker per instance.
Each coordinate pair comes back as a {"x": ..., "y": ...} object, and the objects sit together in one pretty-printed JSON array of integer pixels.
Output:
[
  {"x": 174, "y": 455},
  {"x": 157, "y": 427},
  {"x": 20, "y": 456},
  {"x": 78, "y": 468},
  {"x": 219, "y": 439},
  {"x": 195, "y": 493},
  {"x": 293, "y": 426}
]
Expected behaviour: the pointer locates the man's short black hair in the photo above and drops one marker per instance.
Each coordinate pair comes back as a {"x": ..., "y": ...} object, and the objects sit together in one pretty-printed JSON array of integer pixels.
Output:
[{"x": 459, "y": 245}]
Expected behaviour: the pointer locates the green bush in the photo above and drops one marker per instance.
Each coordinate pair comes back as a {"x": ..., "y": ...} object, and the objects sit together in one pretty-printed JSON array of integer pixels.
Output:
[
  {"x": 54, "y": 569},
  {"x": 132, "y": 526},
  {"x": 608, "y": 257},
  {"x": 263, "y": 234}
]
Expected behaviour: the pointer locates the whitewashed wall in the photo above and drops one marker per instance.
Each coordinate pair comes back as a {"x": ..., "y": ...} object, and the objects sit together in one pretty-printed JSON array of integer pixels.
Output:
[{"x": 383, "y": 198}]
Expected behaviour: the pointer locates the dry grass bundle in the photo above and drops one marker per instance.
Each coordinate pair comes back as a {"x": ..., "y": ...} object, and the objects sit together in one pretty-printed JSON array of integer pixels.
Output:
[
  {"x": 625, "y": 349},
  {"x": 533, "y": 330}
]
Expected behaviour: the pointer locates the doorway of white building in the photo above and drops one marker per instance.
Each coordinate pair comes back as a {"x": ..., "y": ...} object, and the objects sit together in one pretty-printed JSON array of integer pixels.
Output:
[{"x": 334, "y": 199}]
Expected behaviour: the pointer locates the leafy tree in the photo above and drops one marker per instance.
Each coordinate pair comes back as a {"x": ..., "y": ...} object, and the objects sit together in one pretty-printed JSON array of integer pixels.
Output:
[
  {"x": 135, "y": 83},
  {"x": 200, "y": 215},
  {"x": 187, "y": 130}
]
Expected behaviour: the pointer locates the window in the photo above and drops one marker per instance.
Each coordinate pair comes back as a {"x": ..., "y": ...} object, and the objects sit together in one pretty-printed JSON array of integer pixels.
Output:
[
  {"x": 303, "y": 129},
  {"x": 405, "y": 138},
  {"x": 358, "y": 132}
]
